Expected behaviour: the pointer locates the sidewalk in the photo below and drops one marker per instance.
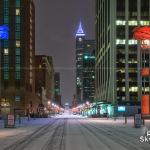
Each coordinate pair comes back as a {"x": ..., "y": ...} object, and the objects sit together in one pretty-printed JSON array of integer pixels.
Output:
[{"x": 26, "y": 122}]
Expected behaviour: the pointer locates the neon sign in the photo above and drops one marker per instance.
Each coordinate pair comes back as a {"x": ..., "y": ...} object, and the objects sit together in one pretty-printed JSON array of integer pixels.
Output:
[{"x": 4, "y": 32}]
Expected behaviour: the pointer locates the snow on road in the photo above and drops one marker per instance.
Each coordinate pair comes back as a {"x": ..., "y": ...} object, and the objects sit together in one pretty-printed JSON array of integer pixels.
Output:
[{"x": 73, "y": 132}]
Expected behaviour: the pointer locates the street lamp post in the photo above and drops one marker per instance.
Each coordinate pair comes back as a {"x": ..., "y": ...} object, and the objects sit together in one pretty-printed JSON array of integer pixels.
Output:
[{"x": 142, "y": 34}]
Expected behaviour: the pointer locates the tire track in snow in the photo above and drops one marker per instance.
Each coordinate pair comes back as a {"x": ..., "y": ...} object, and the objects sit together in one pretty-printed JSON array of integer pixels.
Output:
[
  {"x": 57, "y": 139},
  {"x": 23, "y": 143},
  {"x": 98, "y": 132}
]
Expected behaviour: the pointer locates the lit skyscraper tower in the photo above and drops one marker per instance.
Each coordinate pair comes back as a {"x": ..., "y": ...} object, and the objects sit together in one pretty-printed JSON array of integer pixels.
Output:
[{"x": 85, "y": 61}]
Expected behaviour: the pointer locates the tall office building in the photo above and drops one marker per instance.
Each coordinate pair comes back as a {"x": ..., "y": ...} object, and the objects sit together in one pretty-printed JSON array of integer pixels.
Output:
[
  {"x": 17, "y": 55},
  {"x": 44, "y": 78},
  {"x": 117, "y": 54},
  {"x": 85, "y": 65},
  {"x": 57, "y": 96}
]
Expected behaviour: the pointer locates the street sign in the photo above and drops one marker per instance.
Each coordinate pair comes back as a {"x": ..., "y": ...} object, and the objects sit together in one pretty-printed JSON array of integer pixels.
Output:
[
  {"x": 121, "y": 109},
  {"x": 10, "y": 122},
  {"x": 137, "y": 120}
]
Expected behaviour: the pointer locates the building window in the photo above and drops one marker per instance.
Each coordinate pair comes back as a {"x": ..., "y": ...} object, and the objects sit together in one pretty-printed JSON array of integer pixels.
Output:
[
  {"x": 6, "y": 51},
  {"x": 17, "y": 35},
  {"x": 17, "y": 27},
  {"x": 144, "y": 23},
  {"x": 17, "y": 19},
  {"x": 6, "y": 75},
  {"x": 17, "y": 3},
  {"x": 120, "y": 22},
  {"x": 17, "y": 51},
  {"x": 6, "y": 19},
  {"x": 6, "y": 3},
  {"x": 17, "y": 43},
  {"x": 31, "y": 81},
  {"x": 17, "y": 12},
  {"x": 132, "y": 42},
  {"x": 5, "y": 44},
  {"x": 120, "y": 41},
  {"x": 17, "y": 59},
  {"x": 6, "y": 11},
  {"x": 132, "y": 23},
  {"x": 133, "y": 89},
  {"x": 17, "y": 98},
  {"x": 17, "y": 67},
  {"x": 18, "y": 75}
]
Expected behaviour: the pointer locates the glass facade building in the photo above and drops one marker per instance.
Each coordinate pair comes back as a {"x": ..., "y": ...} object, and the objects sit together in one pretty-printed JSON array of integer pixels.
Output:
[
  {"x": 85, "y": 66},
  {"x": 117, "y": 54}
]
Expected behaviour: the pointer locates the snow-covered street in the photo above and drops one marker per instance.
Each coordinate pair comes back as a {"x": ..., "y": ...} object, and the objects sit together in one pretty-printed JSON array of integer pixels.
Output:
[{"x": 74, "y": 132}]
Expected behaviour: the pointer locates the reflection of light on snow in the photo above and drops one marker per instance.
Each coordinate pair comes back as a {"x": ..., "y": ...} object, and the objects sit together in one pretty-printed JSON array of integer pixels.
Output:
[{"x": 68, "y": 114}]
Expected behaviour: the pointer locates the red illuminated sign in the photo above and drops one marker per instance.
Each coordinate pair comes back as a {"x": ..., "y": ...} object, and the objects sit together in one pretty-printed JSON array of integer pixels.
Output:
[
  {"x": 145, "y": 72},
  {"x": 145, "y": 105},
  {"x": 142, "y": 34}
]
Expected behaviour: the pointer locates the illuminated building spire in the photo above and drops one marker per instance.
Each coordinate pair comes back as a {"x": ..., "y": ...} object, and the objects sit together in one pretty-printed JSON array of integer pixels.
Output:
[{"x": 80, "y": 31}]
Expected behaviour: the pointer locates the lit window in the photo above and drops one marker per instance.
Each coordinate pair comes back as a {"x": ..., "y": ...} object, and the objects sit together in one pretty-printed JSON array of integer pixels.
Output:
[
  {"x": 17, "y": 43},
  {"x": 132, "y": 42},
  {"x": 88, "y": 45},
  {"x": 6, "y": 51},
  {"x": 80, "y": 39},
  {"x": 147, "y": 89},
  {"x": 133, "y": 89},
  {"x": 120, "y": 41},
  {"x": 30, "y": 74},
  {"x": 120, "y": 22},
  {"x": 144, "y": 23},
  {"x": 30, "y": 60},
  {"x": 17, "y": 12},
  {"x": 30, "y": 20},
  {"x": 31, "y": 81},
  {"x": 123, "y": 89},
  {"x": 30, "y": 67},
  {"x": 40, "y": 66},
  {"x": 132, "y": 23}
]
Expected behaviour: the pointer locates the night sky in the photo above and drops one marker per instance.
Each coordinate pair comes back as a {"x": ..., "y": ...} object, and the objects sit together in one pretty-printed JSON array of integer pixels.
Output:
[{"x": 56, "y": 25}]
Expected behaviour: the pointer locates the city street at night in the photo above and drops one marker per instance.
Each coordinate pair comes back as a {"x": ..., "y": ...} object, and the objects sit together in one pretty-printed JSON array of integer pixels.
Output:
[
  {"x": 74, "y": 74},
  {"x": 74, "y": 133}
]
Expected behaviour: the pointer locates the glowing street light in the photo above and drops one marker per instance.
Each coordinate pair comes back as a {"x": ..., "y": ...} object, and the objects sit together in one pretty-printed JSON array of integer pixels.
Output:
[{"x": 49, "y": 102}]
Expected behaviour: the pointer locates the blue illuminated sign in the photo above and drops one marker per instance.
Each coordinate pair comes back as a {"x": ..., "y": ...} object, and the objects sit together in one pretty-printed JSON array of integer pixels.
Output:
[
  {"x": 80, "y": 31},
  {"x": 121, "y": 108},
  {"x": 4, "y": 32}
]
